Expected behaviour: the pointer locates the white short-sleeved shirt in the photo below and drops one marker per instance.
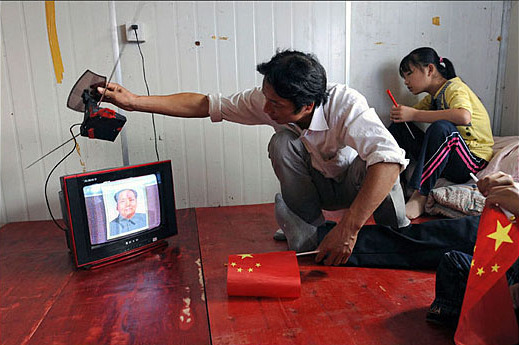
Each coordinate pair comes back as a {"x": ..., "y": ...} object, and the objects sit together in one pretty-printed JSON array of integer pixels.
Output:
[{"x": 344, "y": 127}]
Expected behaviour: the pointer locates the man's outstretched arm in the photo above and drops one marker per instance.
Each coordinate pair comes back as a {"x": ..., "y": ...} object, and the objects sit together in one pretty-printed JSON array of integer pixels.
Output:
[{"x": 178, "y": 105}]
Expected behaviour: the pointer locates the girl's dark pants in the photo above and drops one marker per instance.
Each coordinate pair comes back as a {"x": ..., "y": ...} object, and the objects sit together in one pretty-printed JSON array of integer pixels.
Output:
[{"x": 439, "y": 152}]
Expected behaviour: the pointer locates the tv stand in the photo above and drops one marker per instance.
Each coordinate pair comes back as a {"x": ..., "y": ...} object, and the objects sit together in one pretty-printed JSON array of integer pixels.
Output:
[{"x": 128, "y": 255}]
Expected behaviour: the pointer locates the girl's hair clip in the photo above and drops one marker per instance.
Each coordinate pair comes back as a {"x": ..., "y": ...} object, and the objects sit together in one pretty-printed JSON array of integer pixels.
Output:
[{"x": 441, "y": 59}]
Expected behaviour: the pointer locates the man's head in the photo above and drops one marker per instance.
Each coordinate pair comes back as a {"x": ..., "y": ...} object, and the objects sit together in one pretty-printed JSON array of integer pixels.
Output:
[
  {"x": 294, "y": 85},
  {"x": 126, "y": 202}
]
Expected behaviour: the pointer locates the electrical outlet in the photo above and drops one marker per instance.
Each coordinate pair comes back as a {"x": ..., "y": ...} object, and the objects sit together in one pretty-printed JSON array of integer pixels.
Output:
[{"x": 130, "y": 32}]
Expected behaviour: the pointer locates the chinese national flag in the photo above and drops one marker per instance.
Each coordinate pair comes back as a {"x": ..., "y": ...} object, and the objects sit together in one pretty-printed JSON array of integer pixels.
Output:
[
  {"x": 269, "y": 274},
  {"x": 487, "y": 315}
]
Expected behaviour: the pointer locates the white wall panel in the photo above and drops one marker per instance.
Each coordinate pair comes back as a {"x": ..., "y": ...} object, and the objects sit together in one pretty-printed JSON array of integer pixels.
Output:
[
  {"x": 14, "y": 196},
  {"x": 213, "y": 163},
  {"x": 384, "y": 32},
  {"x": 510, "y": 120},
  {"x": 209, "y": 82},
  {"x": 246, "y": 77},
  {"x": 231, "y": 139}
]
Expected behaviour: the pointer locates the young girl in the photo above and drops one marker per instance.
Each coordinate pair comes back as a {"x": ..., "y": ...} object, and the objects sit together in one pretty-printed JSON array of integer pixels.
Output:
[{"x": 458, "y": 141}]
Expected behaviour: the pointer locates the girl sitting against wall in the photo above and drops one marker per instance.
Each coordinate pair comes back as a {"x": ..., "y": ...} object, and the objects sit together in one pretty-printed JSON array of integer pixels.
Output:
[{"x": 459, "y": 138}]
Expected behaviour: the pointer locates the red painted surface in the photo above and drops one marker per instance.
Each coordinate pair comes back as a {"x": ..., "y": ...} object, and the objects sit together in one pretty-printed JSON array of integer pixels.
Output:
[
  {"x": 155, "y": 298},
  {"x": 338, "y": 305},
  {"x": 158, "y": 297}
]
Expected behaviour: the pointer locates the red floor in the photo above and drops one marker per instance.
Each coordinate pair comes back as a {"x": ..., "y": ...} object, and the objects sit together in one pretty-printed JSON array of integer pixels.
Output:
[
  {"x": 146, "y": 300},
  {"x": 339, "y": 305},
  {"x": 158, "y": 297}
]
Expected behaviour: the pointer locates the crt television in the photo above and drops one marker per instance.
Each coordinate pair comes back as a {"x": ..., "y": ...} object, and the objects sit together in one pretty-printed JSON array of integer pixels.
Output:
[{"x": 117, "y": 213}]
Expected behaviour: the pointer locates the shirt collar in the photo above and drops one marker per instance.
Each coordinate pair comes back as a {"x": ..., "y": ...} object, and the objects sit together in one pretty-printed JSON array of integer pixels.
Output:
[{"x": 318, "y": 122}]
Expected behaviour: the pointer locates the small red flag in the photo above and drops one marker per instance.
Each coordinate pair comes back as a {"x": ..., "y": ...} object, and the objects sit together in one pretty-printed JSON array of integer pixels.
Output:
[
  {"x": 487, "y": 315},
  {"x": 268, "y": 274}
]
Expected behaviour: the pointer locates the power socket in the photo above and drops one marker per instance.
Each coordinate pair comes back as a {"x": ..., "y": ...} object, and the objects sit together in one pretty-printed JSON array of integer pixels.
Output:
[{"x": 130, "y": 29}]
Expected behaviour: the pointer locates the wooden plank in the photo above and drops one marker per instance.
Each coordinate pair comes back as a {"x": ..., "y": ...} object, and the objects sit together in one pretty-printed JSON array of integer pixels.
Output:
[
  {"x": 338, "y": 305},
  {"x": 34, "y": 266},
  {"x": 154, "y": 298}
]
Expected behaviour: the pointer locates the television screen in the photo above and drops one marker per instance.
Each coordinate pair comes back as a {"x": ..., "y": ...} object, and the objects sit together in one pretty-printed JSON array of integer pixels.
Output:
[
  {"x": 120, "y": 208},
  {"x": 116, "y": 212}
]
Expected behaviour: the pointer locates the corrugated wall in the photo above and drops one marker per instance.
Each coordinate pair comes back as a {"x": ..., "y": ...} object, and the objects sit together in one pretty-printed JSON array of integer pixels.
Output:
[
  {"x": 214, "y": 164},
  {"x": 510, "y": 119},
  {"x": 467, "y": 33}
]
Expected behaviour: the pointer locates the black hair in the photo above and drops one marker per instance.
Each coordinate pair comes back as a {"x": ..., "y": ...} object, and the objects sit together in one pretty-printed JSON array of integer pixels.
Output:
[
  {"x": 116, "y": 195},
  {"x": 423, "y": 57},
  {"x": 296, "y": 76}
]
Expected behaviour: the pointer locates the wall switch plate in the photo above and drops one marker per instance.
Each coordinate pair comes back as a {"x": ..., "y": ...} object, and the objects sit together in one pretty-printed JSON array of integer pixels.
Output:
[{"x": 130, "y": 32}]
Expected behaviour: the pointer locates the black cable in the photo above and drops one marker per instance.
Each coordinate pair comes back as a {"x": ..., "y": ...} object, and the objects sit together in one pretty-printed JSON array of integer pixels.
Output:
[
  {"x": 48, "y": 177},
  {"x": 148, "y": 90}
]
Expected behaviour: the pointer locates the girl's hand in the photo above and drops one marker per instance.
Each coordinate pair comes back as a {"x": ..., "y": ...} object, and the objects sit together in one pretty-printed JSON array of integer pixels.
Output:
[
  {"x": 118, "y": 95},
  {"x": 402, "y": 113}
]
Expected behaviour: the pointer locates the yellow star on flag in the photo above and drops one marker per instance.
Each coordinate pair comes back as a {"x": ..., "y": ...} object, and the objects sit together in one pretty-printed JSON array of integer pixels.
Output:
[
  {"x": 243, "y": 256},
  {"x": 472, "y": 263},
  {"x": 501, "y": 235},
  {"x": 495, "y": 268},
  {"x": 258, "y": 264},
  {"x": 239, "y": 269},
  {"x": 233, "y": 264},
  {"x": 480, "y": 271},
  {"x": 250, "y": 269}
]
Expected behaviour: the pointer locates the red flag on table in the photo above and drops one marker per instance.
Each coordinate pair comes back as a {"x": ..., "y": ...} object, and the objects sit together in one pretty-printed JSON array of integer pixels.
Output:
[
  {"x": 268, "y": 274},
  {"x": 487, "y": 315}
]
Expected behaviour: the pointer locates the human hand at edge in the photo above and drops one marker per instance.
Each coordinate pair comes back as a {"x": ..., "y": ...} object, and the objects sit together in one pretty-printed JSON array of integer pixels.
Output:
[
  {"x": 500, "y": 190},
  {"x": 118, "y": 95},
  {"x": 338, "y": 244}
]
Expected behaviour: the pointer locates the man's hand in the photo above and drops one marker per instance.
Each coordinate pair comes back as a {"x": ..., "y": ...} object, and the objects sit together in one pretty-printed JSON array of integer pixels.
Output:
[
  {"x": 500, "y": 190},
  {"x": 338, "y": 244},
  {"x": 118, "y": 95},
  {"x": 402, "y": 113}
]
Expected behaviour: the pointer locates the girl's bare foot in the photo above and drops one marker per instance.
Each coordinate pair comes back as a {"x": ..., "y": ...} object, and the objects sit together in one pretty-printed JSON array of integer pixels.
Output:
[{"x": 415, "y": 207}]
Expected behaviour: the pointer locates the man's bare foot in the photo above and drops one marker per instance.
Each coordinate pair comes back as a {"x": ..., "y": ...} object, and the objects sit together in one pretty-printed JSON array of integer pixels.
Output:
[{"x": 415, "y": 207}]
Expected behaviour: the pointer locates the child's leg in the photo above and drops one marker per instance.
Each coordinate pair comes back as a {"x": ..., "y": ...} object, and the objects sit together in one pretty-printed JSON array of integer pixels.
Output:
[{"x": 443, "y": 154}]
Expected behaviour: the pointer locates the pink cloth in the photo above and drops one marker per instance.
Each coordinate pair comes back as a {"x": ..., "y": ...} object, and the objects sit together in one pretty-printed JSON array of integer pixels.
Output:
[{"x": 505, "y": 158}]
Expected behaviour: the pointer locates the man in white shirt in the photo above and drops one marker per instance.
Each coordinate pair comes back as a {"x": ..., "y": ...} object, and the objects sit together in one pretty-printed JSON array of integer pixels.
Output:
[{"x": 330, "y": 150}]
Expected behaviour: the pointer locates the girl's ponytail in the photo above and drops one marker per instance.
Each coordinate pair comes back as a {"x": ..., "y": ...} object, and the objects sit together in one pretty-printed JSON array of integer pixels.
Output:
[
  {"x": 448, "y": 71},
  {"x": 425, "y": 56}
]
